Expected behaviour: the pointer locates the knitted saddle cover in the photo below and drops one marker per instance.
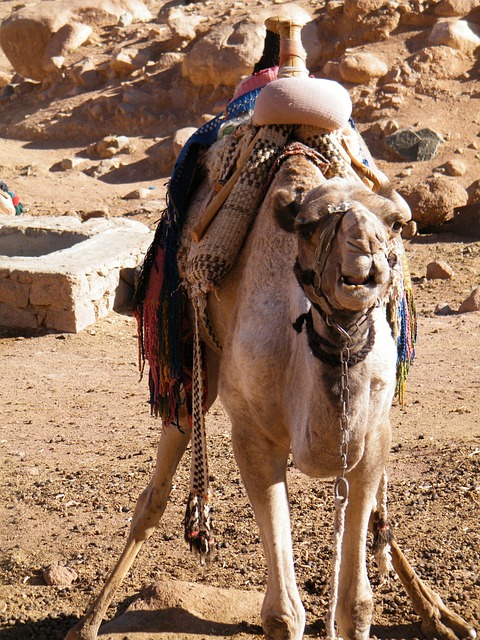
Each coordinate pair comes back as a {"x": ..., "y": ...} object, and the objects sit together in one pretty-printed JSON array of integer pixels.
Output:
[{"x": 159, "y": 303}]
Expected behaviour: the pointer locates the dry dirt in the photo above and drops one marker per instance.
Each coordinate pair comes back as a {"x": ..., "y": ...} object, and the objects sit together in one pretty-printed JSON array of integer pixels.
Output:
[{"x": 77, "y": 443}]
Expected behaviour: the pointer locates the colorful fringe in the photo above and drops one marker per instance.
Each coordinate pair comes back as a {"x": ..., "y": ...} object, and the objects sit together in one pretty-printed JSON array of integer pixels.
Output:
[
  {"x": 402, "y": 317},
  {"x": 159, "y": 302}
]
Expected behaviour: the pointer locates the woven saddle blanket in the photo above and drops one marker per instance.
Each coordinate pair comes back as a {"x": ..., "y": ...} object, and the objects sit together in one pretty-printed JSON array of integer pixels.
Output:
[{"x": 240, "y": 149}]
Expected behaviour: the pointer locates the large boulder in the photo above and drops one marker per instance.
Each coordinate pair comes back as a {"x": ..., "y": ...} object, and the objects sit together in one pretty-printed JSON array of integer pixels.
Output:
[
  {"x": 36, "y": 38},
  {"x": 230, "y": 50},
  {"x": 433, "y": 201},
  {"x": 455, "y": 7},
  {"x": 361, "y": 67},
  {"x": 456, "y": 34}
]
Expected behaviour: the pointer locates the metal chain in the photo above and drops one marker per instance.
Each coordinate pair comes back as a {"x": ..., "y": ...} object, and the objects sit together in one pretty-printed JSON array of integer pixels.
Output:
[{"x": 341, "y": 483}]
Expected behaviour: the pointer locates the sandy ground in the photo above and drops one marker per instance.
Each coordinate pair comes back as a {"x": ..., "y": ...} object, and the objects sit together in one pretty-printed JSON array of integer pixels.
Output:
[{"x": 77, "y": 445}]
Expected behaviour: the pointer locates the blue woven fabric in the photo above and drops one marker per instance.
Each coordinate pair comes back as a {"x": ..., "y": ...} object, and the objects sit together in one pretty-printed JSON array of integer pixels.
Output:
[{"x": 162, "y": 256}]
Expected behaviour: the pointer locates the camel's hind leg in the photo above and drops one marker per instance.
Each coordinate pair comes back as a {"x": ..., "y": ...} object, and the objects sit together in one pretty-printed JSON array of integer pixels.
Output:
[
  {"x": 150, "y": 507},
  {"x": 438, "y": 621}
]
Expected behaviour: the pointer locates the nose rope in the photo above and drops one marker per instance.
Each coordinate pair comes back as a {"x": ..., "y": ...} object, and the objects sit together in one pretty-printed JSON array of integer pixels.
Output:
[{"x": 324, "y": 247}]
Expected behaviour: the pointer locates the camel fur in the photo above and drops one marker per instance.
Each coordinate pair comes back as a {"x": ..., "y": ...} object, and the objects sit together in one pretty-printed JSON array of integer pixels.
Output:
[{"x": 282, "y": 399}]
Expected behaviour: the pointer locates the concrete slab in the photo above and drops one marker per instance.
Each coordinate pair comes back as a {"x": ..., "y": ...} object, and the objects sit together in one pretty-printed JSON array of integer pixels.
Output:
[{"x": 62, "y": 274}]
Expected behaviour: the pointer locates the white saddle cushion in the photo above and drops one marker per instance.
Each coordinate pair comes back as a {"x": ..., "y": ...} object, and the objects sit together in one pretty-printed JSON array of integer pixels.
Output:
[{"x": 315, "y": 101}]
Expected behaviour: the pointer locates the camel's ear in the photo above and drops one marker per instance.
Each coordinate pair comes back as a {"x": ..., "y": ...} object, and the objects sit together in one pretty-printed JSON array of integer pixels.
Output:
[{"x": 285, "y": 209}]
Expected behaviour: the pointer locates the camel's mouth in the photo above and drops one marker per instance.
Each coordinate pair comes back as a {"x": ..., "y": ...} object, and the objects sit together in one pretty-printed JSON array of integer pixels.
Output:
[
  {"x": 355, "y": 282},
  {"x": 357, "y": 292}
]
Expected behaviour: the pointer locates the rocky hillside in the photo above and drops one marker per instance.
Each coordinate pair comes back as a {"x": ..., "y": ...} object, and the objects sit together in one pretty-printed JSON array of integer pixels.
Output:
[{"x": 154, "y": 70}]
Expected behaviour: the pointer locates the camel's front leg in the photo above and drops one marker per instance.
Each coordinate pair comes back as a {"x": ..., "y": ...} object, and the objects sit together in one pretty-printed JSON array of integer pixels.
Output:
[
  {"x": 355, "y": 601},
  {"x": 150, "y": 507},
  {"x": 262, "y": 464}
]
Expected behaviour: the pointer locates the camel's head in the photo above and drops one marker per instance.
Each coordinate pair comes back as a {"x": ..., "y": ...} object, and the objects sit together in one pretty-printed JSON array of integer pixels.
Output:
[{"x": 348, "y": 239}]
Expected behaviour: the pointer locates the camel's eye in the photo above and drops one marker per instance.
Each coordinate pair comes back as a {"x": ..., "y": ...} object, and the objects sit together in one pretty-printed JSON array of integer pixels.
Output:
[
  {"x": 305, "y": 230},
  {"x": 397, "y": 227},
  {"x": 305, "y": 233}
]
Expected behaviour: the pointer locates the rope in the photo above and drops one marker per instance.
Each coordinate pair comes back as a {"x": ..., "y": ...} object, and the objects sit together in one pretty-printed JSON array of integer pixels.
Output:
[
  {"x": 339, "y": 529},
  {"x": 197, "y": 515}
]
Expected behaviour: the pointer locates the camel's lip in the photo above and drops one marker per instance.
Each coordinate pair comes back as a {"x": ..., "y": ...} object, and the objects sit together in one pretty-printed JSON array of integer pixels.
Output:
[{"x": 356, "y": 283}]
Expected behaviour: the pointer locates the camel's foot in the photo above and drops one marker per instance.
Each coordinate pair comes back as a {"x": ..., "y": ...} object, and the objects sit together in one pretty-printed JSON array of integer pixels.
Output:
[
  {"x": 444, "y": 624},
  {"x": 277, "y": 629},
  {"x": 438, "y": 621},
  {"x": 83, "y": 630}
]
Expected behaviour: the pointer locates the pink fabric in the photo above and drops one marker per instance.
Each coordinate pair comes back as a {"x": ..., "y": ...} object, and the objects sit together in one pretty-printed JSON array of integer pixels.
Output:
[
  {"x": 256, "y": 81},
  {"x": 313, "y": 101}
]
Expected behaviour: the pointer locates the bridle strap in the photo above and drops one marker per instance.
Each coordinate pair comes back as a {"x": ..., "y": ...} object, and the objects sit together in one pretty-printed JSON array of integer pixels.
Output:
[
  {"x": 327, "y": 236},
  {"x": 317, "y": 343}
]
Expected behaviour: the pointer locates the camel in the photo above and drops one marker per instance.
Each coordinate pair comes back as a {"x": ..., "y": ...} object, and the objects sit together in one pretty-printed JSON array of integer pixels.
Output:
[
  {"x": 300, "y": 351},
  {"x": 281, "y": 388}
]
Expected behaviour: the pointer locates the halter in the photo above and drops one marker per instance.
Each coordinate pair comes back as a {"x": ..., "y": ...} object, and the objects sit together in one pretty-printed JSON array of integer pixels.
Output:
[{"x": 313, "y": 278}]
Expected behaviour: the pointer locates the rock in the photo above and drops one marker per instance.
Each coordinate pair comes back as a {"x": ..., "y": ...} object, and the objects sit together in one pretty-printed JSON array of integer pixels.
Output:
[
  {"x": 180, "y": 138},
  {"x": 196, "y": 609},
  {"x": 455, "y": 167},
  {"x": 450, "y": 8},
  {"x": 105, "y": 166},
  {"x": 169, "y": 60},
  {"x": 162, "y": 156},
  {"x": 474, "y": 192},
  {"x": 125, "y": 20},
  {"x": 409, "y": 230},
  {"x": 71, "y": 163},
  {"x": 361, "y": 67},
  {"x": 455, "y": 34},
  {"x": 230, "y": 50},
  {"x": 54, "y": 28},
  {"x": 84, "y": 74},
  {"x": 109, "y": 146},
  {"x": 127, "y": 61},
  {"x": 439, "y": 270},
  {"x": 95, "y": 213},
  {"x": 472, "y": 303},
  {"x": 414, "y": 145},
  {"x": 443, "y": 309},
  {"x": 356, "y": 8},
  {"x": 384, "y": 127},
  {"x": 439, "y": 62},
  {"x": 59, "y": 576},
  {"x": 138, "y": 194},
  {"x": 183, "y": 26},
  {"x": 433, "y": 201},
  {"x": 331, "y": 70},
  {"x": 466, "y": 221}
]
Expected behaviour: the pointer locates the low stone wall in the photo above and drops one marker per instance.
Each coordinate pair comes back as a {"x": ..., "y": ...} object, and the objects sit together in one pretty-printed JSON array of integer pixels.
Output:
[{"x": 67, "y": 289}]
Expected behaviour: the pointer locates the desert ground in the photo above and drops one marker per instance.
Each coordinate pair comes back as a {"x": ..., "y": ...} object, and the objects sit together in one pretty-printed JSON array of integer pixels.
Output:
[{"x": 77, "y": 442}]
